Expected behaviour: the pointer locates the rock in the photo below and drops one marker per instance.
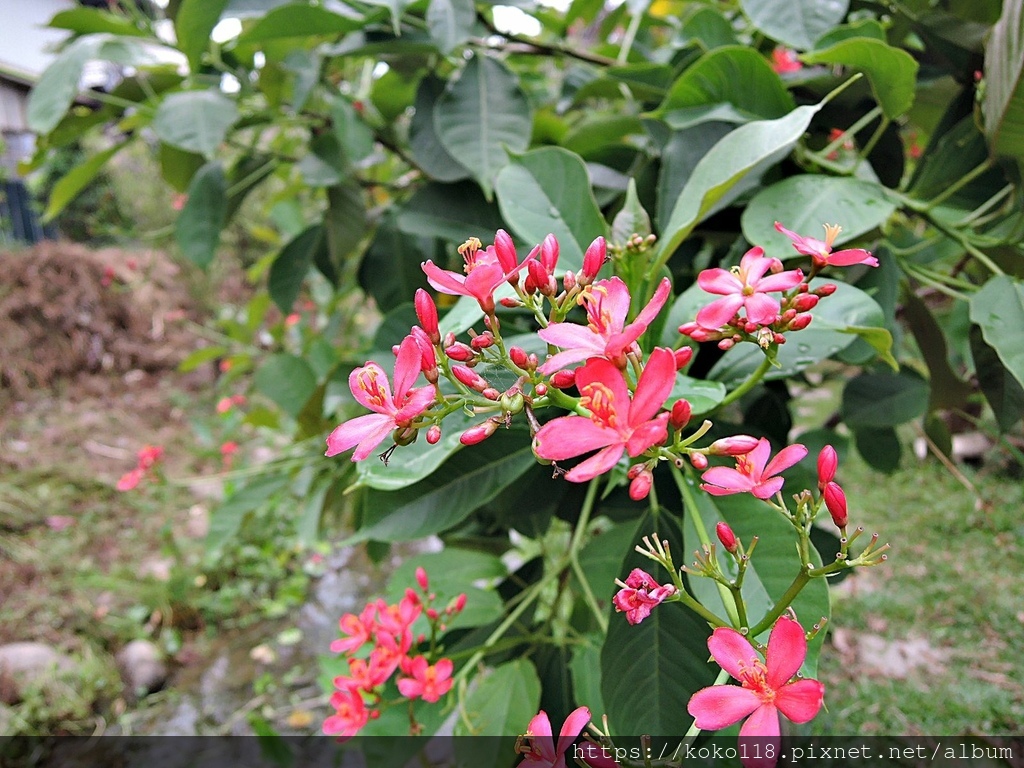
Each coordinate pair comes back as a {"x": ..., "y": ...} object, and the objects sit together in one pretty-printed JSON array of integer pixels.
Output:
[
  {"x": 142, "y": 667},
  {"x": 22, "y": 664}
]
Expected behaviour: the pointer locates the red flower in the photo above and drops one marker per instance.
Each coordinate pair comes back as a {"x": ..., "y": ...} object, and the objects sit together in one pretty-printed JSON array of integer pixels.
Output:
[
  {"x": 541, "y": 751},
  {"x": 358, "y": 628},
  {"x": 616, "y": 424},
  {"x": 744, "y": 287},
  {"x": 605, "y": 335},
  {"x": 821, "y": 250},
  {"x": 753, "y": 473},
  {"x": 369, "y": 386},
  {"x": 639, "y": 594},
  {"x": 349, "y": 716},
  {"x": 130, "y": 480},
  {"x": 428, "y": 682},
  {"x": 785, "y": 61},
  {"x": 765, "y": 689},
  {"x": 485, "y": 271},
  {"x": 149, "y": 455}
]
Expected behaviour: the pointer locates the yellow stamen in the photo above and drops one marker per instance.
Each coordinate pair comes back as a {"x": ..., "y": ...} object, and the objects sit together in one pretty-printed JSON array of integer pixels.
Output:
[{"x": 831, "y": 233}]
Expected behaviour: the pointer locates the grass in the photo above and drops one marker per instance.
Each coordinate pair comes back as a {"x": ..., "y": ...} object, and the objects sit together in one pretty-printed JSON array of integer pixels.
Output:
[{"x": 950, "y": 593}]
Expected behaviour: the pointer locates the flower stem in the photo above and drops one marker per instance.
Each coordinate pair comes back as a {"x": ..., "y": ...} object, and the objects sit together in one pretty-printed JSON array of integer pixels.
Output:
[
  {"x": 784, "y": 602},
  {"x": 574, "y": 546},
  {"x": 747, "y": 385}
]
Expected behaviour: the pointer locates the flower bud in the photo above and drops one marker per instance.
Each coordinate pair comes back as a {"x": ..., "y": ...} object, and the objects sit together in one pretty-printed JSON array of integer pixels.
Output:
[
  {"x": 540, "y": 390},
  {"x": 505, "y": 250},
  {"x": 479, "y": 433},
  {"x": 727, "y": 537},
  {"x": 433, "y": 434},
  {"x": 460, "y": 603},
  {"x": 683, "y": 357},
  {"x": 788, "y": 315},
  {"x": 421, "y": 578},
  {"x": 510, "y": 302},
  {"x": 563, "y": 379},
  {"x": 469, "y": 377},
  {"x": 826, "y": 290},
  {"x": 737, "y": 445},
  {"x": 641, "y": 485},
  {"x": 541, "y": 278},
  {"x": 803, "y": 288},
  {"x": 828, "y": 463},
  {"x": 449, "y": 339},
  {"x": 835, "y": 500},
  {"x": 726, "y": 344},
  {"x": 778, "y": 338},
  {"x": 460, "y": 352},
  {"x": 483, "y": 341},
  {"x": 775, "y": 266},
  {"x": 805, "y": 302},
  {"x": 426, "y": 313},
  {"x": 800, "y": 322},
  {"x": 593, "y": 260},
  {"x": 491, "y": 393},
  {"x": 549, "y": 253},
  {"x": 569, "y": 281},
  {"x": 432, "y": 614},
  {"x": 699, "y": 460},
  {"x": 680, "y": 415},
  {"x": 518, "y": 356}
]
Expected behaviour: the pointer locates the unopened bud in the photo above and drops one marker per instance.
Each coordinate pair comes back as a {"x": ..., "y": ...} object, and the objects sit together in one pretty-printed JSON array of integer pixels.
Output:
[
  {"x": 737, "y": 445},
  {"x": 510, "y": 302},
  {"x": 483, "y": 341},
  {"x": 593, "y": 260},
  {"x": 680, "y": 415},
  {"x": 433, "y": 434},
  {"x": 727, "y": 537},
  {"x": 426, "y": 313},
  {"x": 505, "y": 250},
  {"x": 490, "y": 393},
  {"x": 778, "y": 338},
  {"x": 518, "y": 356},
  {"x": 683, "y": 357},
  {"x": 800, "y": 322},
  {"x": 803, "y": 288},
  {"x": 421, "y": 579},
  {"x": 828, "y": 463},
  {"x": 479, "y": 433},
  {"x": 549, "y": 253},
  {"x": 726, "y": 344},
  {"x": 469, "y": 377},
  {"x": 699, "y": 460},
  {"x": 569, "y": 281},
  {"x": 432, "y": 614},
  {"x": 541, "y": 278},
  {"x": 563, "y": 379},
  {"x": 449, "y": 339},
  {"x": 460, "y": 603},
  {"x": 788, "y": 315},
  {"x": 775, "y": 266},
  {"x": 805, "y": 302},
  {"x": 826, "y": 290},
  {"x": 634, "y": 470},
  {"x": 835, "y": 500},
  {"x": 459, "y": 352},
  {"x": 641, "y": 485},
  {"x": 540, "y": 390}
]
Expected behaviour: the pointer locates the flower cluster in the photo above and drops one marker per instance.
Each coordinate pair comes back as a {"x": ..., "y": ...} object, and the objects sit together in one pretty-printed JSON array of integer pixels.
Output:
[
  {"x": 148, "y": 457},
  {"x": 387, "y": 630},
  {"x": 539, "y": 750}
]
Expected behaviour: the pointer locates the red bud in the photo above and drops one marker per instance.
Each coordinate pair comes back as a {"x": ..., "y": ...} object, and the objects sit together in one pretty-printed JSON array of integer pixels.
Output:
[
  {"x": 505, "y": 250},
  {"x": 683, "y": 357},
  {"x": 426, "y": 313},
  {"x": 800, "y": 322},
  {"x": 549, "y": 253},
  {"x": 433, "y": 434},
  {"x": 641, "y": 485},
  {"x": 727, "y": 537},
  {"x": 835, "y": 500},
  {"x": 421, "y": 578},
  {"x": 460, "y": 352},
  {"x": 563, "y": 379},
  {"x": 680, "y": 414},
  {"x": 699, "y": 460},
  {"x": 518, "y": 356},
  {"x": 479, "y": 433},
  {"x": 737, "y": 445},
  {"x": 593, "y": 260},
  {"x": 828, "y": 463},
  {"x": 469, "y": 377}
]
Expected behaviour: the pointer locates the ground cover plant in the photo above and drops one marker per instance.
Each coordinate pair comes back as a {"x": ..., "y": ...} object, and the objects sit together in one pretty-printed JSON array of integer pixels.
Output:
[{"x": 640, "y": 231}]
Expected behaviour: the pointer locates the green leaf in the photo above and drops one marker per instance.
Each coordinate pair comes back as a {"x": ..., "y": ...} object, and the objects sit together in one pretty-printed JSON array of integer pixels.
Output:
[
  {"x": 702, "y": 395},
  {"x": 291, "y": 266},
  {"x": 585, "y": 670},
  {"x": 869, "y": 28},
  {"x": 354, "y": 135},
  {"x": 427, "y": 149},
  {"x": 750, "y": 149},
  {"x": 707, "y": 27},
  {"x": 878, "y": 400},
  {"x": 177, "y": 167},
  {"x": 226, "y": 520},
  {"x": 548, "y": 191},
  {"x": 804, "y": 203},
  {"x": 880, "y": 448},
  {"x": 1002, "y": 391},
  {"x": 450, "y": 22},
  {"x": 797, "y": 23},
  {"x": 196, "y": 121},
  {"x": 998, "y": 308},
  {"x": 202, "y": 355},
  {"x": 771, "y": 570},
  {"x": 287, "y": 380},
  {"x": 734, "y": 75},
  {"x": 453, "y": 572},
  {"x": 324, "y": 165},
  {"x": 57, "y": 88},
  {"x": 650, "y": 670},
  {"x": 390, "y": 271},
  {"x": 837, "y": 322},
  {"x": 947, "y": 389},
  {"x": 345, "y": 222},
  {"x": 87, "y": 21},
  {"x": 297, "y": 20},
  {"x": 501, "y": 704},
  {"x": 879, "y": 339},
  {"x": 198, "y": 227},
  {"x": 1003, "y": 103},
  {"x": 447, "y": 497},
  {"x": 193, "y": 24},
  {"x": 632, "y": 219},
  {"x": 891, "y": 72},
  {"x": 453, "y": 212},
  {"x": 75, "y": 180},
  {"x": 682, "y": 153},
  {"x": 481, "y": 116}
]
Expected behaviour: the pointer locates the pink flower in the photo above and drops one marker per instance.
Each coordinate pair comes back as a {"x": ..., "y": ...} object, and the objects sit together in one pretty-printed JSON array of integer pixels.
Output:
[
  {"x": 149, "y": 455},
  {"x": 616, "y": 423},
  {"x": 605, "y": 335},
  {"x": 429, "y": 682},
  {"x": 369, "y": 386},
  {"x": 785, "y": 61},
  {"x": 485, "y": 270},
  {"x": 821, "y": 250},
  {"x": 358, "y": 628},
  {"x": 744, "y": 287},
  {"x": 753, "y": 473},
  {"x": 349, "y": 716},
  {"x": 540, "y": 750},
  {"x": 130, "y": 480},
  {"x": 765, "y": 688},
  {"x": 639, "y": 594}
]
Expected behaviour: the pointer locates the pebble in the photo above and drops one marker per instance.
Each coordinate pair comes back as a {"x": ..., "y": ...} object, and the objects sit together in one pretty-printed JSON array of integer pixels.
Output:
[
  {"x": 142, "y": 667},
  {"x": 21, "y": 664}
]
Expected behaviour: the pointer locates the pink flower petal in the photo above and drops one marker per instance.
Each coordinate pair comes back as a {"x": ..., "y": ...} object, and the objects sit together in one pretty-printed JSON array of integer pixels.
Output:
[
  {"x": 484, "y": 278},
  {"x": 648, "y": 313},
  {"x": 782, "y": 281},
  {"x": 728, "y": 478},
  {"x": 731, "y": 650},
  {"x": 786, "y": 458},
  {"x": 445, "y": 281},
  {"x": 616, "y": 300},
  {"x": 719, "y": 281},
  {"x": 800, "y": 701},
  {"x": 417, "y": 401},
  {"x": 370, "y": 430},
  {"x": 761, "y": 308},
  {"x": 654, "y": 386},
  {"x": 567, "y": 358},
  {"x": 719, "y": 312},
  {"x": 600, "y": 371},
  {"x": 719, "y": 706},
  {"x": 407, "y": 367},
  {"x": 371, "y": 372},
  {"x": 569, "y": 436},
  {"x": 715, "y": 490},
  {"x": 571, "y": 728},
  {"x": 851, "y": 256},
  {"x": 571, "y": 335},
  {"x": 787, "y": 649},
  {"x": 768, "y": 488},
  {"x": 540, "y": 727},
  {"x": 761, "y": 734},
  {"x": 648, "y": 434},
  {"x": 753, "y": 265},
  {"x": 759, "y": 456},
  {"x": 596, "y": 465}
]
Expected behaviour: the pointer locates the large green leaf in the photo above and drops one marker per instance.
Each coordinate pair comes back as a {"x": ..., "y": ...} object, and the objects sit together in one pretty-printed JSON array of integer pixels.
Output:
[
  {"x": 197, "y": 229},
  {"x": 837, "y": 321},
  {"x": 1003, "y": 102},
  {"x": 501, "y": 704},
  {"x": 650, "y": 670},
  {"x": 891, "y": 72},
  {"x": 287, "y": 380},
  {"x": 772, "y": 567},
  {"x": 450, "y": 22},
  {"x": 797, "y": 23},
  {"x": 804, "y": 203},
  {"x": 682, "y": 153},
  {"x": 703, "y": 395},
  {"x": 481, "y": 116},
  {"x": 297, "y": 20},
  {"x": 548, "y": 191},
  {"x": 947, "y": 389},
  {"x": 451, "y": 573},
  {"x": 453, "y": 212},
  {"x": 447, "y": 497},
  {"x": 878, "y": 400},
  {"x": 58, "y": 85},
  {"x": 1002, "y": 391},
  {"x": 390, "y": 271},
  {"x": 196, "y": 121},
  {"x": 87, "y": 21},
  {"x": 345, "y": 222},
  {"x": 75, "y": 180},
  {"x": 998, "y": 308},
  {"x": 734, "y": 75},
  {"x": 750, "y": 149},
  {"x": 193, "y": 24},
  {"x": 427, "y": 150},
  {"x": 291, "y": 266}
]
